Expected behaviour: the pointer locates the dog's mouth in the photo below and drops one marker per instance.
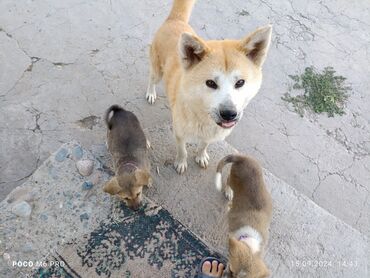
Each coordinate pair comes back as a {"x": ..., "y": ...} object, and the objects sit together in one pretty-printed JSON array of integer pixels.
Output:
[{"x": 227, "y": 124}]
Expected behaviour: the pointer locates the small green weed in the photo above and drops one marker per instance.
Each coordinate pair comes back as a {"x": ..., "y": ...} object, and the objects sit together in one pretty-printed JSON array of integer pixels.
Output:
[{"x": 323, "y": 92}]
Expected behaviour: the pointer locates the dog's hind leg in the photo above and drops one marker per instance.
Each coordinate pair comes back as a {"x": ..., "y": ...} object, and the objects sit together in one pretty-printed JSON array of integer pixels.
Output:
[
  {"x": 202, "y": 157},
  {"x": 180, "y": 162},
  {"x": 229, "y": 193},
  {"x": 155, "y": 75}
]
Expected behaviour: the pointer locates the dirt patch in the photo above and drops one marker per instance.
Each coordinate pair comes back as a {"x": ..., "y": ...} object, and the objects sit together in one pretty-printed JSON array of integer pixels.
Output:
[{"x": 89, "y": 122}]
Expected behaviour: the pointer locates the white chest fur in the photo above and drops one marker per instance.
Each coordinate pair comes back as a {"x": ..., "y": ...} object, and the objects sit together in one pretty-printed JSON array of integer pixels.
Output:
[
  {"x": 249, "y": 236},
  {"x": 195, "y": 128}
]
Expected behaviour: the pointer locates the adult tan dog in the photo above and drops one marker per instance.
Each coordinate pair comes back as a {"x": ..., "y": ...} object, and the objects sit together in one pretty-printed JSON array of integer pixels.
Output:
[{"x": 208, "y": 83}]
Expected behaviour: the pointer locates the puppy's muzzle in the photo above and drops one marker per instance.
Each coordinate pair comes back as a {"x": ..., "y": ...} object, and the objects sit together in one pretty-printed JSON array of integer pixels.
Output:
[
  {"x": 135, "y": 203},
  {"x": 135, "y": 206}
]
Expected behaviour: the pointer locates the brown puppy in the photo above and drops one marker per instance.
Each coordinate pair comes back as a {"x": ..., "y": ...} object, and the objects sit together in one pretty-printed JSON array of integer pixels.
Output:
[
  {"x": 128, "y": 147},
  {"x": 249, "y": 216}
]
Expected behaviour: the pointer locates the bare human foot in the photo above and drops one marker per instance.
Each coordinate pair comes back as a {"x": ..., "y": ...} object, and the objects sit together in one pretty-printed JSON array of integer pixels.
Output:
[{"x": 215, "y": 269}]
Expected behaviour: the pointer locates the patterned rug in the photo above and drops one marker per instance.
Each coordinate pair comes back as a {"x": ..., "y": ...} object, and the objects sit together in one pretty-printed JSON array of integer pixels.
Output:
[{"x": 147, "y": 243}]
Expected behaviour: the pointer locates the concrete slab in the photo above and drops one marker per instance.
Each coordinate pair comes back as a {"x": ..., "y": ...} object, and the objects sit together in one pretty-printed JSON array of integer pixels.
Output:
[
  {"x": 305, "y": 152},
  {"x": 13, "y": 62},
  {"x": 65, "y": 62},
  {"x": 306, "y": 241},
  {"x": 60, "y": 211}
]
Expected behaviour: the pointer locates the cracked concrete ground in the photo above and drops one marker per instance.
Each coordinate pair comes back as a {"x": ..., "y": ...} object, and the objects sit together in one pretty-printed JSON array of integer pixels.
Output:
[
  {"x": 301, "y": 232},
  {"x": 63, "y": 63}
]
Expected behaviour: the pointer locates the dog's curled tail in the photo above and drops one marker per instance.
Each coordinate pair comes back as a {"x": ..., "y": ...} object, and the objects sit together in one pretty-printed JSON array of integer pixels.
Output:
[
  {"x": 181, "y": 10},
  {"x": 108, "y": 117},
  {"x": 231, "y": 158}
]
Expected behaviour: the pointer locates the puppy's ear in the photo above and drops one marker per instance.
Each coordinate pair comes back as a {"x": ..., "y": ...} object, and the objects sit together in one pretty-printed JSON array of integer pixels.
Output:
[
  {"x": 112, "y": 186},
  {"x": 142, "y": 177},
  {"x": 233, "y": 246},
  {"x": 256, "y": 44},
  {"x": 234, "y": 260},
  {"x": 262, "y": 270},
  {"x": 237, "y": 248},
  {"x": 192, "y": 49}
]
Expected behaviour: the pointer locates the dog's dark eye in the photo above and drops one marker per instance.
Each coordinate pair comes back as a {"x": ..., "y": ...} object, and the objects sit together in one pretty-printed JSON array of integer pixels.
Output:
[
  {"x": 137, "y": 195},
  {"x": 239, "y": 83},
  {"x": 212, "y": 84}
]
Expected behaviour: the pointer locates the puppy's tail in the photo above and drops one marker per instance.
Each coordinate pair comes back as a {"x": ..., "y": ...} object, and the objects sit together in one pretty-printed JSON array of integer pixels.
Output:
[
  {"x": 108, "y": 117},
  {"x": 181, "y": 10},
  {"x": 231, "y": 158}
]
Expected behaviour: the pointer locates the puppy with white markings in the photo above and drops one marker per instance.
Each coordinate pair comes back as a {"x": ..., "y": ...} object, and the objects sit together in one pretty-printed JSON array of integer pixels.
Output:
[
  {"x": 249, "y": 216},
  {"x": 128, "y": 147},
  {"x": 208, "y": 83}
]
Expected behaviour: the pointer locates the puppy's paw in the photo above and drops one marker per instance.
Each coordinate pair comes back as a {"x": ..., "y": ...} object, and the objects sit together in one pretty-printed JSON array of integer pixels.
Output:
[
  {"x": 202, "y": 159},
  {"x": 181, "y": 166},
  {"x": 151, "y": 96},
  {"x": 150, "y": 183},
  {"x": 148, "y": 145},
  {"x": 229, "y": 193},
  {"x": 229, "y": 206}
]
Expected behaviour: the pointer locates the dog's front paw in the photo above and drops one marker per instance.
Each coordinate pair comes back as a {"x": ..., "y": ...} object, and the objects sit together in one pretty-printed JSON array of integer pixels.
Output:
[
  {"x": 229, "y": 206},
  {"x": 202, "y": 159},
  {"x": 148, "y": 145},
  {"x": 229, "y": 193},
  {"x": 151, "y": 96},
  {"x": 150, "y": 183},
  {"x": 180, "y": 166}
]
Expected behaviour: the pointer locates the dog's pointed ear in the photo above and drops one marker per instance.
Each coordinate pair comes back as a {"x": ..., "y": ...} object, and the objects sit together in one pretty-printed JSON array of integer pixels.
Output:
[
  {"x": 233, "y": 246},
  {"x": 261, "y": 269},
  {"x": 112, "y": 186},
  {"x": 236, "y": 246},
  {"x": 142, "y": 177},
  {"x": 234, "y": 260},
  {"x": 192, "y": 49},
  {"x": 256, "y": 44}
]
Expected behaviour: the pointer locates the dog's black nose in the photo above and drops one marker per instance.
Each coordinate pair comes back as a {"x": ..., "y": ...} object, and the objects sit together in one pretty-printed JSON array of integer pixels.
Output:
[{"x": 228, "y": 115}]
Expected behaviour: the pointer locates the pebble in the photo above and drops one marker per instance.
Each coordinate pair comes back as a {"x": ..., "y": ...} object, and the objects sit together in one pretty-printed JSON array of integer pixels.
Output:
[
  {"x": 77, "y": 153},
  {"x": 87, "y": 185},
  {"x": 21, "y": 193},
  {"x": 84, "y": 216},
  {"x": 61, "y": 155},
  {"x": 85, "y": 167},
  {"x": 69, "y": 204},
  {"x": 43, "y": 216},
  {"x": 22, "y": 209},
  {"x": 28, "y": 247},
  {"x": 2, "y": 249},
  {"x": 95, "y": 178},
  {"x": 6, "y": 256},
  {"x": 53, "y": 172}
]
